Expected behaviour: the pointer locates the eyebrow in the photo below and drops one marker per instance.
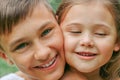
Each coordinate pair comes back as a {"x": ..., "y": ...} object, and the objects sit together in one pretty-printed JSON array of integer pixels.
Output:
[
  {"x": 14, "y": 42},
  {"x": 44, "y": 25},
  {"x": 74, "y": 24},
  {"x": 79, "y": 24}
]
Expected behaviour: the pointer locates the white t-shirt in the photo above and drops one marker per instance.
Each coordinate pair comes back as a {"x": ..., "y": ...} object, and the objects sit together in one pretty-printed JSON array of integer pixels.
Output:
[{"x": 11, "y": 76}]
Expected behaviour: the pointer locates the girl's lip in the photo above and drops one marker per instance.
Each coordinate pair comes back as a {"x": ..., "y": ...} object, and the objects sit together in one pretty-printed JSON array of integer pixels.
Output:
[
  {"x": 87, "y": 55},
  {"x": 48, "y": 65}
]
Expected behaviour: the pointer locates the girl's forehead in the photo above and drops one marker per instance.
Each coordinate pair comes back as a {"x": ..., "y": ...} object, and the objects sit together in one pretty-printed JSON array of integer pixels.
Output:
[
  {"x": 93, "y": 3},
  {"x": 91, "y": 14},
  {"x": 97, "y": 9}
]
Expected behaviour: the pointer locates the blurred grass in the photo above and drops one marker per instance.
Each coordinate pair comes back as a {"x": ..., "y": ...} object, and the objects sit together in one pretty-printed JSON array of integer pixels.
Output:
[
  {"x": 6, "y": 68},
  {"x": 55, "y": 4}
]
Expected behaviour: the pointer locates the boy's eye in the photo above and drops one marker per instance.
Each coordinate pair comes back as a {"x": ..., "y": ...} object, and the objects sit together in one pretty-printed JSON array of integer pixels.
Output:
[
  {"x": 21, "y": 46},
  {"x": 45, "y": 32}
]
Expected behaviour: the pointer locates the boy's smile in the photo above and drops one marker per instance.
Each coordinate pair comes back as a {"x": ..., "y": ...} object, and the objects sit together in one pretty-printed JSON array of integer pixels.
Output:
[{"x": 48, "y": 64}]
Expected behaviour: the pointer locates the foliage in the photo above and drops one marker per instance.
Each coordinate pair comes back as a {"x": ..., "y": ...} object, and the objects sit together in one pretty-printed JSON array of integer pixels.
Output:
[
  {"x": 6, "y": 68},
  {"x": 55, "y": 4}
]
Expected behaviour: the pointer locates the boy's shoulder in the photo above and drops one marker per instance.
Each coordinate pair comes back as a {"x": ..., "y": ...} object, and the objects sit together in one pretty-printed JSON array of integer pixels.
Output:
[
  {"x": 71, "y": 75},
  {"x": 118, "y": 78},
  {"x": 11, "y": 76}
]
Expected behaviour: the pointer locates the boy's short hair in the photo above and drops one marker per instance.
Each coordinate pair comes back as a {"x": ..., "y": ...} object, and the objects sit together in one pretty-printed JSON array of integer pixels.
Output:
[{"x": 14, "y": 11}]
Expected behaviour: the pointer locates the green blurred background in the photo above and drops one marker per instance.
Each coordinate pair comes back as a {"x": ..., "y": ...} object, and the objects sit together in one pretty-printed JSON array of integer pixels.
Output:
[{"x": 7, "y": 68}]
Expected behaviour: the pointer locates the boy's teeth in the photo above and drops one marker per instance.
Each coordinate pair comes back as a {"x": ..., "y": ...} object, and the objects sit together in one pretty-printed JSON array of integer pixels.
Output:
[{"x": 47, "y": 65}]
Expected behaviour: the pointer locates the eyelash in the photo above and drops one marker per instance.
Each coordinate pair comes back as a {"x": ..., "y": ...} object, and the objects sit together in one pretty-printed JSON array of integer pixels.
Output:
[
  {"x": 76, "y": 32},
  {"x": 101, "y": 34},
  {"x": 21, "y": 46},
  {"x": 97, "y": 34},
  {"x": 45, "y": 32}
]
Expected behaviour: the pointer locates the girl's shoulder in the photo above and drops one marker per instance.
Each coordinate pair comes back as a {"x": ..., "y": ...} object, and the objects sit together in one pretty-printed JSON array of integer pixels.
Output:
[{"x": 11, "y": 76}]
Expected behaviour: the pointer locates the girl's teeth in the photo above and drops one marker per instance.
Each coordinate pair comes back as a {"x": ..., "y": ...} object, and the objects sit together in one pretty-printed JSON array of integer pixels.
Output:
[{"x": 87, "y": 54}]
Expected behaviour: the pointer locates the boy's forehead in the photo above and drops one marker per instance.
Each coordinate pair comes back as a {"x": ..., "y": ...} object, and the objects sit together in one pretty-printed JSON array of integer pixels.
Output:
[{"x": 41, "y": 8}]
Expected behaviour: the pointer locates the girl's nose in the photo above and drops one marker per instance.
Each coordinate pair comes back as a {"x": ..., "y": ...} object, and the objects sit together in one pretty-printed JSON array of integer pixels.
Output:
[{"x": 87, "y": 40}]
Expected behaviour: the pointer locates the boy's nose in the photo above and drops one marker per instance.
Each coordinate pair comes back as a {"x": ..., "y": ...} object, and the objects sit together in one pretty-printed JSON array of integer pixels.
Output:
[{"x": 42, "y": 52}]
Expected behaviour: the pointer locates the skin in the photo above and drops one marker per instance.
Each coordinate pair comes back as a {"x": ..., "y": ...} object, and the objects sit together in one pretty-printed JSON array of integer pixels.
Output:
[
  {"x": 36, "y": 46},
  {"x": 90, "y": 38}
]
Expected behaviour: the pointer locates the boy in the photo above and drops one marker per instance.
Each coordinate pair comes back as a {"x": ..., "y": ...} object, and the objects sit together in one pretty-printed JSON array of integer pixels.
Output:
[{"x": 31, "y": 38}]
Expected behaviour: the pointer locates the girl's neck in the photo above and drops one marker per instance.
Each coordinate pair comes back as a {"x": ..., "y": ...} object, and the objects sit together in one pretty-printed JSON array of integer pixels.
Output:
[
  {"x": 90, "y": 76},
  {"x": 93, "y": 75}
]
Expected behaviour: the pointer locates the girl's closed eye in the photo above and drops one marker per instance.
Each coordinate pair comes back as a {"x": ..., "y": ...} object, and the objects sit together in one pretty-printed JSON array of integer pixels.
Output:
[
  {"x": 101, "y": 34},
  {"x": 75, "y": 31},
  {"x": 101, "y": 31},
  {"x": 74, "y": 28}
]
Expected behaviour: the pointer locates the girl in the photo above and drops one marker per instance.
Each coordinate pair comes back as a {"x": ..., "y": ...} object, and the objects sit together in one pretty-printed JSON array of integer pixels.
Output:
[{"x": 91, "y": 35}]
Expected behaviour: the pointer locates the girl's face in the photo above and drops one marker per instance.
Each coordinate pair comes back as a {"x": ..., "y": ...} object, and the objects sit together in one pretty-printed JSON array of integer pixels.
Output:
[
  {"x": 36, "y": 46},
  {"x": 90, "y": 36}
]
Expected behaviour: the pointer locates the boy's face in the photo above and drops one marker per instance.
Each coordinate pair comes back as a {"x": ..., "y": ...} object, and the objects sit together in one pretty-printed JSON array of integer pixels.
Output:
[
  {"x": 36, "y": 45},
  {"x": 90, "y": 36}
]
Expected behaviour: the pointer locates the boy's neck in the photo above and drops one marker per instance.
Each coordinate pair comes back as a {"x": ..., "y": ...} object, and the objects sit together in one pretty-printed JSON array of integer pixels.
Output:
[{"x": 23, "y": 75}]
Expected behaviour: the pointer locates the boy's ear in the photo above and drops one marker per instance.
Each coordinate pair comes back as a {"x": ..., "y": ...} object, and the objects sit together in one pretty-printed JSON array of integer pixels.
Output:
[
  {"x": 5, "y": 57},
  {"x": 2, "y": 55}
]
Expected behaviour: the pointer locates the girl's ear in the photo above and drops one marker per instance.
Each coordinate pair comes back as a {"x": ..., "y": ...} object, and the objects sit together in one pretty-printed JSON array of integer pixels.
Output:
[
  {"x": 117, "y": 47},
  {"x": 57, "y": 17}
]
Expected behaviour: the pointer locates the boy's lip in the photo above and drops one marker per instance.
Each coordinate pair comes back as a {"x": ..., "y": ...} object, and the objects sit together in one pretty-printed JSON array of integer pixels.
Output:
[
  {"x": 87, "y": 55},
  {"x": 48, "y": 65}
]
